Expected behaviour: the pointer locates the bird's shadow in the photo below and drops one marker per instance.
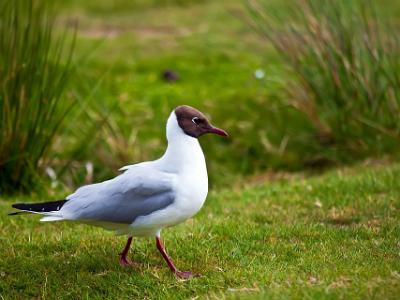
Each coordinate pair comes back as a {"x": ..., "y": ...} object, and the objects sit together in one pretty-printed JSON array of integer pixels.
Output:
[{"x": 52, "y": 261}]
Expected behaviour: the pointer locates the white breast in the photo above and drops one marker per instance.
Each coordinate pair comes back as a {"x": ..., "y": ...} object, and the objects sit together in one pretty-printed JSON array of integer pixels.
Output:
[{"x": 192, "y": 191}]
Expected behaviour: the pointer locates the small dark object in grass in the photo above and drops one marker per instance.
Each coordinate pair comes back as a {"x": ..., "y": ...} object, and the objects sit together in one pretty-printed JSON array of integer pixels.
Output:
[
  {"x": 325, "y": 138},
  {"x": 170, "y": 76}
]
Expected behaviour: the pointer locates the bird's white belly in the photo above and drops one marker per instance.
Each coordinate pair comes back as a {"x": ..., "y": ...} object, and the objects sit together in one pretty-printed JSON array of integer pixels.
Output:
[{"x": 190, "y": 197}]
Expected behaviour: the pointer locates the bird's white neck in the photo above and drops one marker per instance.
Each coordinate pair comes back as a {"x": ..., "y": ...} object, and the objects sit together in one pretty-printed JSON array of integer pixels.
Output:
[{"x": 183, "y": 152}]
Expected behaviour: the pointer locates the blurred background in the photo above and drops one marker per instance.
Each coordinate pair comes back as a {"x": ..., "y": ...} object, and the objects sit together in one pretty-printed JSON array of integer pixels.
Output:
[{"x": 87, "y": 86}]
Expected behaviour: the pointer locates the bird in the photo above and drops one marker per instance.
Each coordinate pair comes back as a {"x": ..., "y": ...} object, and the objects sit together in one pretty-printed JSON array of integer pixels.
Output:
[{"x": 148, "y": 196}]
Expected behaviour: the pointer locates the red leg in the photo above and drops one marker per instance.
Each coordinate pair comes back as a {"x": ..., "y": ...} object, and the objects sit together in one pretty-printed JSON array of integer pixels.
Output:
[
  {"x": 123, "y": 256},
  {"x": 180, "y": 274}
]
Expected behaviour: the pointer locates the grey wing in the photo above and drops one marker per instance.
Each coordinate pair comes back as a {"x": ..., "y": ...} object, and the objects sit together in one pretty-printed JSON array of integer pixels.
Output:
[{"x": 137, "y": 192}]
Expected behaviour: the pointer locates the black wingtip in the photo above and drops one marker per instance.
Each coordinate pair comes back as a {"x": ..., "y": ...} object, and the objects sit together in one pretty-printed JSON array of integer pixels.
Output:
[
  {"x": 38, "y": 207},
  {"x": 18, "y": 205}
]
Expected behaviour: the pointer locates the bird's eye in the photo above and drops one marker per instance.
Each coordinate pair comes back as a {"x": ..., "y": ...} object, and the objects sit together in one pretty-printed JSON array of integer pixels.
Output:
[{"x": 196, "y": 120}]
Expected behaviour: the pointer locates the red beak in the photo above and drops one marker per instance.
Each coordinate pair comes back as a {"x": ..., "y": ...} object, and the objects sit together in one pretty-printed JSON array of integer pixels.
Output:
[{"x": 218, "y": 131}]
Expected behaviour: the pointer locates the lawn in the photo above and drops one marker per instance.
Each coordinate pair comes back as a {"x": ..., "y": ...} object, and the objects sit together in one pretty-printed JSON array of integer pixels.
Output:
[
  {"x": 265, "y": 232},
  {"x": 334, "y": 236}
]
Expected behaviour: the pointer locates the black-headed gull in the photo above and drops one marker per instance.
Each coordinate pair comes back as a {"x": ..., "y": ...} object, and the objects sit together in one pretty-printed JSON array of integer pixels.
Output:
[{"x": 148, "y": 196}]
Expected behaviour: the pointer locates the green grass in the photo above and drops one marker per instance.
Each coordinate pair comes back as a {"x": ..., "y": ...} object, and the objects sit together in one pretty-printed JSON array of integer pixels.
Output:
[
  {"x": 122, "y": 48},
  {"x": 345, "y": 63},
  {"x": 257, "y": 239},
  {"x": 35, "y": 65},
  {"x": 334, "y": 236},
  {"x": 212, "y": 49},
  {"x": 215, "y": 51}
]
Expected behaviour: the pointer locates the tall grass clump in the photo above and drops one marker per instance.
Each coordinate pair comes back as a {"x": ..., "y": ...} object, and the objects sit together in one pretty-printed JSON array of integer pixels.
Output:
[
  {"x": 35, "y": 64},
  {"x": 344, "y": 63}
]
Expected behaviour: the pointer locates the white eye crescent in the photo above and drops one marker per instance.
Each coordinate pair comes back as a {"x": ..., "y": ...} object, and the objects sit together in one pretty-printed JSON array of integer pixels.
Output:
[{"x": 194, "y": 120}]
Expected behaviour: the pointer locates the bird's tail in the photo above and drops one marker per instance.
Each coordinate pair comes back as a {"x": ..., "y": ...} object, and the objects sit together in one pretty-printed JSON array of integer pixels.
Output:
[{"x": 49, "y": 209}]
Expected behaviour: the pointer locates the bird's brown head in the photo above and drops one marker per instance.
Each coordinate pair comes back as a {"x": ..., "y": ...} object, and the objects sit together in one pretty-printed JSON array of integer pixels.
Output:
[{"x": 194, "y": 123}]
